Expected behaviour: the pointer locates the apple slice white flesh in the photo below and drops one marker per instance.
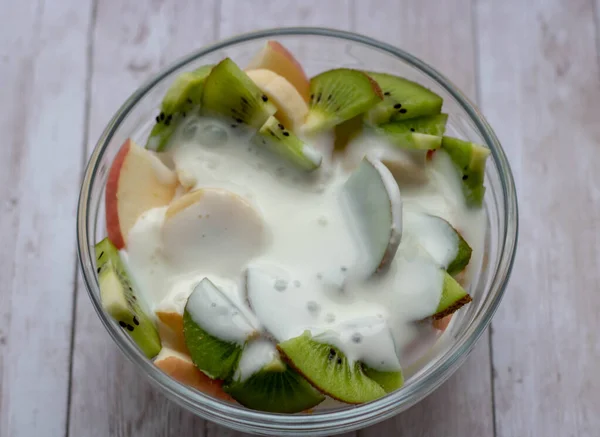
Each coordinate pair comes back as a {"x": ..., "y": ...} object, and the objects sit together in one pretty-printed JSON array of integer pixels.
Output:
[
  {"x": 137, "y": 181},
  {"x": 291, "y": 107},
  {"x": 376, "y": 206},
  {"x": 214, "y": 229}
]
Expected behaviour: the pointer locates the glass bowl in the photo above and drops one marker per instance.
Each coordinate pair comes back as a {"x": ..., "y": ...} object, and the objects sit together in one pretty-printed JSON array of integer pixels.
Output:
[{"x": 317, "y": 49}]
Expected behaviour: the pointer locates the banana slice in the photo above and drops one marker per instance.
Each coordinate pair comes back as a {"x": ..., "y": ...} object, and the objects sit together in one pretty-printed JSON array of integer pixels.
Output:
[{"x": 291, "y": 107}]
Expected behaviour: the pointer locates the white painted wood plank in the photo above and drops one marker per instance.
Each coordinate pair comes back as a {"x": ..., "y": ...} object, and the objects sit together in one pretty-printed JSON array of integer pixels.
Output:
[
  {"x": 540, "y": 87},
  {"x": 441, "y": 34},
  {"x": 132, "y": 40},
  {"x": 43, "y": 73},
  {"x": 239, "y": 17}
]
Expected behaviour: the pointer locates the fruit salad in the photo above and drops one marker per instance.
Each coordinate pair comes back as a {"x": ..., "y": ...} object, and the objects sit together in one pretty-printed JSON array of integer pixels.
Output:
[{"x": 277, "y": 241}]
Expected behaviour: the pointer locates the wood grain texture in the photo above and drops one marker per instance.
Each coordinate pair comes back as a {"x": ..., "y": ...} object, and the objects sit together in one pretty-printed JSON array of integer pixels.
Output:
[
  {"x": 132, "y": 40},
  {"x": 40, "y": 46},
  {"x": 441, "y": 34},
  {"x": 540, "y": 88}
]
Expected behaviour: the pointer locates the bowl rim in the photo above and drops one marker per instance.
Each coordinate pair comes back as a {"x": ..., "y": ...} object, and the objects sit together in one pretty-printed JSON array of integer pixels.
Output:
[{"x": 327, "y": 421}]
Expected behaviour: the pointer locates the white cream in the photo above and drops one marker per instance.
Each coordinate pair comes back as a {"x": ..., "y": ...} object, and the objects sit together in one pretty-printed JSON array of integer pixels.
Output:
[
  {"x": 256, "y": 355},
  {"x": 434, "y": 235},
  {"x": 218, "y": 313},
  {"x": 300, "y": 277}
]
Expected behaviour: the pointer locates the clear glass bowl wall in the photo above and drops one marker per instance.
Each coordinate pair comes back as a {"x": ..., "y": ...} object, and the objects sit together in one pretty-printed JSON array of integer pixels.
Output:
[{"x": 317, "y": 50}]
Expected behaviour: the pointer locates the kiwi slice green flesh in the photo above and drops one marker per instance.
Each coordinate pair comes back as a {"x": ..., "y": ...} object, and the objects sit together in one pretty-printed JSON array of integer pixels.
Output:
[
  {"x": 121, "y": 301},
  {"x": 338, "y": 95},
  {"x": 389, "y": 381},
  {"x": 230, "y": 93},
  {"x": 276, "y": 388},
  {"x": 402, "y": 99},
  {"x": 453, "y": 297},
  {"x": 287, "y": 145},
  {"x": 470, "y": 159},
  {"x": 183, "y": 97},
  {"x": 463, "y": 255},
  {"x": 329, "y": 370},
  {"x": 423, "y": 133},
  {"x": 208, "y": 308}
]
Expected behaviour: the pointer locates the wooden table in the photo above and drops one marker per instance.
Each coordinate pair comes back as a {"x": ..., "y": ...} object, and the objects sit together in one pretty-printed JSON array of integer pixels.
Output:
[{"x": 533, "y": 67}]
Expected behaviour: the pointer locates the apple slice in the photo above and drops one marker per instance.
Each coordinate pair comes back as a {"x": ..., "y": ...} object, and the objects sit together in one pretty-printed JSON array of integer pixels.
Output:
[
  {"x": 137, "y": 181},
  {"x": 374, "y": 199},
  {"x": 291, "y": 107},
  {"x": 214, "y": 229},
  {"x": 170, "y": 329},
  {"x": 278, "y": 59},
  {"x": 181, "y": 368}
]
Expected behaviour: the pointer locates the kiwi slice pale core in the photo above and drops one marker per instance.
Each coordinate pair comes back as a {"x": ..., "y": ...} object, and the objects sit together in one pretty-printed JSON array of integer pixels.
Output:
[
  {"x": 284, "y": 143},
  {"x": 182, "y": 98},
  {"x": 230, "y": 93},
  {"x": 470, "y": 159},
  {"x": 121, "y": 301},
  {"x": 328, "y": 369},
  {"x": 276, "y": 388},
  {"x": 402, "y": 99},
  {"x": 338, "y": 95}
]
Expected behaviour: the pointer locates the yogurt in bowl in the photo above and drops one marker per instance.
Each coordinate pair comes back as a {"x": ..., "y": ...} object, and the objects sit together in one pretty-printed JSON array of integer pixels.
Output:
[{"x": 291, "y": 263}]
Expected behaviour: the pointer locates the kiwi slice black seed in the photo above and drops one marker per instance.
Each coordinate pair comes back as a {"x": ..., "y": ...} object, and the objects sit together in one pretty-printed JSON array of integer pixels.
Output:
[
  {"x": 206, "y": 308},
  {"x": 423, "y": 133},
  {"x": 402, "y": 99},
  {"x": 338, "y": 95},
  {"x": 328, "y": 369},
  {"x": 276, "y": 388},
  {"x": 181, "y": 99},
  {"x": 230, "y": 93},
  {"x": 283, "y": 142},
  {"x": 454, "y": 296},
  {"x": 470, "y": 160},
  {"x": 122, "y": 302}
]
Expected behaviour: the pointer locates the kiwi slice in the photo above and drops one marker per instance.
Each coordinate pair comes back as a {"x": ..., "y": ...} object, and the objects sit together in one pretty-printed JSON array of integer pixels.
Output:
[
  {"x": 470, "y": 159},
  {"x": 441, "y": 240},
  {"x": 402, "y": 99},
  {"x": 287, "y": 145},
  {"x": 230, "y": 93},
  {"x": 275, "y": 387},
  {"x": 122, "y": 302},
  {"x": 453, "y": 298},
  {"x": 389, "y": 381},
  {"x": 216, "y": 353},
  {"x": 423, "y": 133},
  {"x": 328, "y": 369},
  {"x": 337, "y": 96},
  {"x": 183, "y": 97}
]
